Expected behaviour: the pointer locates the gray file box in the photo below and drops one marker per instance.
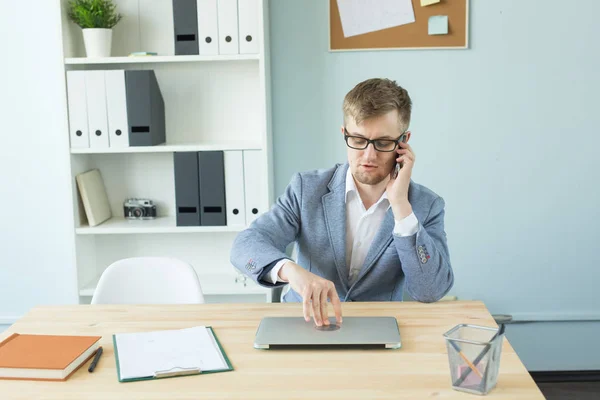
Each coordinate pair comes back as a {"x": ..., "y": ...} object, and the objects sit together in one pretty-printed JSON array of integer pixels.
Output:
[
  {"x": 212, "y": 188},
  {"x": 187, "y": 199},
  {"x": 185, "y": 23},
  {"x": 145, "y": 109}
]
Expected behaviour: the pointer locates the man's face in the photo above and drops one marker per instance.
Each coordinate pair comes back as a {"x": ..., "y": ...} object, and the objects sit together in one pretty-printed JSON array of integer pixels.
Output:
[{"x": 370, "y": 166}]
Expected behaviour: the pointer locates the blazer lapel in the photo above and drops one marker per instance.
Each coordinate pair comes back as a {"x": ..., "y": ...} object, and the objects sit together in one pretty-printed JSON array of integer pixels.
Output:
[
  {"x": 334, "y": 206},
  {"x": 382, "y": 240}
]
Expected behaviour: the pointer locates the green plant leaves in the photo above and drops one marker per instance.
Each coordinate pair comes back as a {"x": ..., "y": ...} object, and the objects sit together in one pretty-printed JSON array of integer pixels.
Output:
[{"x": 94, "y": 13}]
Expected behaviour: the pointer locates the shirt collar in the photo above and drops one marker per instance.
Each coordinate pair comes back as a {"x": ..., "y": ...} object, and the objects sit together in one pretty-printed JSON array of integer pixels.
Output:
[{"x": 351, "y": 188}]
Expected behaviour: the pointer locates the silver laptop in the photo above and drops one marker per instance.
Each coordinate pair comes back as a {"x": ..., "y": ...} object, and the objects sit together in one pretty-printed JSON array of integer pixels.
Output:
[{"x": 279, "y": 332}]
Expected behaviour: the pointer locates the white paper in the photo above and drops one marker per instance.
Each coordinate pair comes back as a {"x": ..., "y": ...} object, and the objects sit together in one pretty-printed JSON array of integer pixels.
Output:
[
  {"x": 146, "y": 353},
  {"x": 362, "y": 16}
]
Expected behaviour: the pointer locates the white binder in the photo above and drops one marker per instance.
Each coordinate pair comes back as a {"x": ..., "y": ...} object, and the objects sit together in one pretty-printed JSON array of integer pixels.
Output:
[
  {"x": 96, "y": 102},
  {"x": 208, "y": 32},
  {"x": 116, "y": 108},
  {"x": 255, "y": 184},
  {"x": 248, "y": 26},
  {"x": 228, "y": 26},
  {"x": 78, "y": 120},
  {"x": 234, "y": 188}
]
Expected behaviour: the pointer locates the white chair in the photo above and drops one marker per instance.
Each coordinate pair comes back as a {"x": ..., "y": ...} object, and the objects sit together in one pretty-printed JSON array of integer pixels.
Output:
[{"x": 149, "y": 280}]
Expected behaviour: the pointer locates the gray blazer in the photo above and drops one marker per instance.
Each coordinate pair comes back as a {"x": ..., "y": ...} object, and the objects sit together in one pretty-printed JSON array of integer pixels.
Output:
[{"x": 312, "y": 212}]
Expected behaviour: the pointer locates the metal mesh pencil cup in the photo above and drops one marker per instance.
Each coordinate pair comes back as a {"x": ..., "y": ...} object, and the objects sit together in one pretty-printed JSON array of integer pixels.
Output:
[{"x": 473, "y": 346}]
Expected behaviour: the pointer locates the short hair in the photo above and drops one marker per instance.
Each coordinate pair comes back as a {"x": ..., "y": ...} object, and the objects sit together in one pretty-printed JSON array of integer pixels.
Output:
[{"x": 376, "y": 97}]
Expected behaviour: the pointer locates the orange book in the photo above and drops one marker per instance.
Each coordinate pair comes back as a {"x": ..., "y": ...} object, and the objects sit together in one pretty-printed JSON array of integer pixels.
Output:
[{"x": 44, "y": 357}]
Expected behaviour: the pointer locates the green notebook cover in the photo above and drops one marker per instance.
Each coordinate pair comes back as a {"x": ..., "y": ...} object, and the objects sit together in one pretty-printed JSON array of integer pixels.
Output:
[{"x": 145, "y": 378}]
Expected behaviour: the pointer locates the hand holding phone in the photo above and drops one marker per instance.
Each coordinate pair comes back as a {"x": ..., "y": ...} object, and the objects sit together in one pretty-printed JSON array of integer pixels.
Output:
[{"x": 398, "y": 165}]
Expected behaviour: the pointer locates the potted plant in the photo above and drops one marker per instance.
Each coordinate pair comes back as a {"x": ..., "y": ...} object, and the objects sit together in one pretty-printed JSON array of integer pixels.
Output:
[{"x": 96, "y": 18}]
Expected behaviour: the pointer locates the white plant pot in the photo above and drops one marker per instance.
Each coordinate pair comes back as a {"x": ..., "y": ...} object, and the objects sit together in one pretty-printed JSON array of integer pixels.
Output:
[{"x": 97, "y": 41}]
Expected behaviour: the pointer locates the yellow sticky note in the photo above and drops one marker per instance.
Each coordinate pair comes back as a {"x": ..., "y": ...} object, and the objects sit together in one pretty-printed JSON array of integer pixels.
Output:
[{"x": 428, "y": 2}]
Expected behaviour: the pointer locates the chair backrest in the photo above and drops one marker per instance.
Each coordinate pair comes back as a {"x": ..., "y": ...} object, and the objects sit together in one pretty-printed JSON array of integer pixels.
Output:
[{"x": 149, "y": 280}]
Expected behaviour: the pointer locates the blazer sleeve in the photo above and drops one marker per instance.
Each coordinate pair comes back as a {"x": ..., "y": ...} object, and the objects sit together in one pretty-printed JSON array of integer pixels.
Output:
[
  {"x": 256, "y": 250},
  {"x": 425, "y": 258}
]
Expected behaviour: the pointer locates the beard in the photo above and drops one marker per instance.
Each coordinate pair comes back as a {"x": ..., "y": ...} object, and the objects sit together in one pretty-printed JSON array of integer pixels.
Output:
[{"x": 372, "y": 178}]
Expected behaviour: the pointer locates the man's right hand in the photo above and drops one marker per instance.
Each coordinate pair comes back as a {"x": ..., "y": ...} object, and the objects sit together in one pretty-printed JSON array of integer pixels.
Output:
[{"x": 314, "y": 291}]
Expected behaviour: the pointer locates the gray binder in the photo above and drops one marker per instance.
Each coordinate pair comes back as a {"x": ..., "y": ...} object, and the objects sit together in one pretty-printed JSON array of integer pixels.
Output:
[
  {"x": 212, "y": 188},
  {"x": 145, "y": 109},
  {"x": 187, "y": 199},
  {"x": 185, "y": 23}
]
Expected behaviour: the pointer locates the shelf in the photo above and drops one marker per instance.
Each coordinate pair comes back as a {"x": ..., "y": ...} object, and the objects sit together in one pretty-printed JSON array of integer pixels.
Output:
[
  {"x": 158, "y": 59},
  {"x": 118, "y": 225},
  {"x": 170, "y": 148},
  {"x": 215, "y": 285}
]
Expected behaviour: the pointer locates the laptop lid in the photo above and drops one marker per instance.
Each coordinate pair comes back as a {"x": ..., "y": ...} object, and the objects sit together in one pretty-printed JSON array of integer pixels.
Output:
[{"x": 274, "y": 332}]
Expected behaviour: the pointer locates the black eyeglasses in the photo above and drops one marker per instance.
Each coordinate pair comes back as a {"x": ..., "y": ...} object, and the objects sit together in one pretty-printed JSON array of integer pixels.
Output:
[{"x": 361, "y": 143}]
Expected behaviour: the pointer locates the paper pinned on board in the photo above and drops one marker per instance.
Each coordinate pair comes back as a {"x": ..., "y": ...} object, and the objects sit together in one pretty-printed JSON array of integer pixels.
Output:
[
  {"x": 363, "y": 16},
  {"x": 438, "y": 25},
  {"x": 428, "y": 2}
]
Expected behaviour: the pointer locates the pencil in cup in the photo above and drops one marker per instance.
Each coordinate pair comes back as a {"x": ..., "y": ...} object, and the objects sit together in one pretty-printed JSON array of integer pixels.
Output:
[
  {"x": 485, "y": 350},
  {"x": 466, "y": 360}
]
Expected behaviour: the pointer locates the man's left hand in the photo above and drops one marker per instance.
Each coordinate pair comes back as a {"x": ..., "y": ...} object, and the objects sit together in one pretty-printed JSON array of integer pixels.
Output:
[{"x": 397, "y": 189}]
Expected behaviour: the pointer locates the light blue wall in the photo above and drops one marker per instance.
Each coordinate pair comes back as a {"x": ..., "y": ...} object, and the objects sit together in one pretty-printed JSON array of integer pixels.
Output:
[{"x": 506, "y": 132}]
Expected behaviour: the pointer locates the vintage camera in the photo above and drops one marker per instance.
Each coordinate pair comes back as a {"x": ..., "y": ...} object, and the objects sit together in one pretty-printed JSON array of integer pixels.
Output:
[{"x": 139, "y": 209}]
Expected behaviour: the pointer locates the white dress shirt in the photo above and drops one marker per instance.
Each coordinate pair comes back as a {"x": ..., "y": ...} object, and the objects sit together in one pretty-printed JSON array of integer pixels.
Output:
[{"x": 361, "y": 227}]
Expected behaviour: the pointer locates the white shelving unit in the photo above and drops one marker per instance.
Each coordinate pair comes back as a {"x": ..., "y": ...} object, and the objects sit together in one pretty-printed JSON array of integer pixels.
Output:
[
  {"x": 157, "y": 59},
  {"x": 211, "y": 286},
  {"x": 121, "y": 226},
  {"x": 212, "y": 103},
  {"x": 164, "y": 148}
]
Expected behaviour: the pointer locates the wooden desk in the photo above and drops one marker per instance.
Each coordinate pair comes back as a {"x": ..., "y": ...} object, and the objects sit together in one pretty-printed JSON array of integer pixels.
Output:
[{"x": 418, "y": 370}]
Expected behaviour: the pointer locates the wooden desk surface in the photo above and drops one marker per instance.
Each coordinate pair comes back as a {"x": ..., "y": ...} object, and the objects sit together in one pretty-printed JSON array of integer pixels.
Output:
[{"x": 418, "y": 370}]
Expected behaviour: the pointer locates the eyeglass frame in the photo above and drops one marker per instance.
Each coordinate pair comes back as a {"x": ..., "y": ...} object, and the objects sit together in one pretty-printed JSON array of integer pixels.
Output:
[{"x": 372, "y": 141}]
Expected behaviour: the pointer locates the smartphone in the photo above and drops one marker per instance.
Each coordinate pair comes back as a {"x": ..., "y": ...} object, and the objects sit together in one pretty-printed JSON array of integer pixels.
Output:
[{"x": 399, "y": 165}]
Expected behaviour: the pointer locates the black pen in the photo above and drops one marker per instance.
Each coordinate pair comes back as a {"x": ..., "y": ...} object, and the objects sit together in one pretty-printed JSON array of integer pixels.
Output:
[{"x": 95, "y": 360}]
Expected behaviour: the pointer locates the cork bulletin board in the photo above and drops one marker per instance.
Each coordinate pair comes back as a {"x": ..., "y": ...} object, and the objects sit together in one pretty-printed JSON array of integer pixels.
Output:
[{"x": 413, "y": 35}]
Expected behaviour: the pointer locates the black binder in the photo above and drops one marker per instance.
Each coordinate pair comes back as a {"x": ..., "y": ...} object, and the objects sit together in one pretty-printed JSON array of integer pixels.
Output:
[
  {"x": 185, "y": 23},
  {"x": 145, "y": 109},
  {"x": 187, "y": 198},
  {"x": 212, "y": 188}
]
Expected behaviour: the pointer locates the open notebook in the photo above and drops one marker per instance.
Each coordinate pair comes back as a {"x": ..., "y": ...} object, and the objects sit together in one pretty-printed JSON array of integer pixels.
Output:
[{"x": 164, "y": 354}]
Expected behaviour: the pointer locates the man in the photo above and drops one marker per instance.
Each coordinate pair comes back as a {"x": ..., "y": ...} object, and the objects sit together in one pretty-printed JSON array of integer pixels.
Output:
[{"x": 364, "y": 233}]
